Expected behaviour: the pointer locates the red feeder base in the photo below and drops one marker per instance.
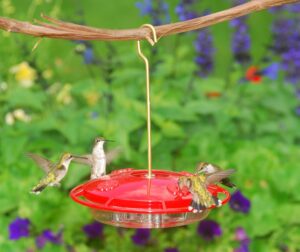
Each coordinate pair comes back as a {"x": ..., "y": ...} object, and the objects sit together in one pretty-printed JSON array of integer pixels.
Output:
[{"x": 127, "y": 198}]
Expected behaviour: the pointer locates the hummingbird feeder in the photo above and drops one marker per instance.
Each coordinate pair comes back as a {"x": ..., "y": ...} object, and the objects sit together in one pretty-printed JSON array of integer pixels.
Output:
[{"x": 142, "y": 198}]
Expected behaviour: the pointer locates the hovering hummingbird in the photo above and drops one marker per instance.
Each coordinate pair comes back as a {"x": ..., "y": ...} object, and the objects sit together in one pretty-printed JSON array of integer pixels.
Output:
[
  {"x": 98, "y": 159},
  {"x": 209, "y": 169},
  {"x": 197, "y": 185},
  {"x": 54, "y": 172}
]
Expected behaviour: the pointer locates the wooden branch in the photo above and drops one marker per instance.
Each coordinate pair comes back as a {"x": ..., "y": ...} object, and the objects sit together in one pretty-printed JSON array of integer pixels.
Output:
[{"x": 63, "y": 30}]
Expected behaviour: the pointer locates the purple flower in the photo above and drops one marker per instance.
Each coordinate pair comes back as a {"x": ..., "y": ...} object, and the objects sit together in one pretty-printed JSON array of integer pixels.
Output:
[
  {"x": 286, "y": 37},
  {"x": 241, "y": 41},
  {"x": 205, "y": 52},
  {"x": 282, "y": 30},
  {"x": 239, "y": 202},
  {"x": 294, "y": 8},
  {"x": 209, "y": 229},
  {"x": 48, "y": 236},
  {"x": 203, "y": 43},
  {"x": 19, "y": 228},
  {"x": 241, "y": 235},
  {"x": 158, "y": 11},
  {"x": 298, "y": 111},
  {"x": 141, "y": 236},
  {"x": 291, "y": 64},
  {"x": 298, "y": 93},
  {"x": 93, "y": 230},
  {"x": 171, "y": 250},
  {"x": 185, "y": 10},
  {"x": 271, "y": 71},
  {"x": 242, "y": 248},
  {"x": 40, "y": 241},
  {"x": 277, "y": 9}
]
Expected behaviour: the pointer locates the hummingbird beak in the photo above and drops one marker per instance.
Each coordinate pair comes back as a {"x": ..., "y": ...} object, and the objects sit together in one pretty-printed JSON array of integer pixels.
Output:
[
  {"x": 74, "y": 156},
  {"x": 107, "y": 140}
]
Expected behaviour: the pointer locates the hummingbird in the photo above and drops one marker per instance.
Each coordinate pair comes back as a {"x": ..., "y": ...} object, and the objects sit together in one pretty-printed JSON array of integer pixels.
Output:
[
  {"x": 209, "y": 169},
  {"x": 54, "y": 172},
  {"x": 197, "y": 185},
  {"x": 98, "y": 159}
]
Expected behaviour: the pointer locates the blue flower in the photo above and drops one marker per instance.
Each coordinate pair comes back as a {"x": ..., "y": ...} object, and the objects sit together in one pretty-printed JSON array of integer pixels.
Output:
[
  {"x": 271, "y": 71},
  {"x": 19, "y": 228},
  {"x": 239, "y": 202},
  {"x": 48, "y": 236},
  {"x": 158, "y": 11},
  {"x": 145, "y": 7},
  {"x": 88, "y": 56},
  {"x": 93, "y": 230},
  {"x": 141, "y": 236},
  {"x": 209, "y": 229}
]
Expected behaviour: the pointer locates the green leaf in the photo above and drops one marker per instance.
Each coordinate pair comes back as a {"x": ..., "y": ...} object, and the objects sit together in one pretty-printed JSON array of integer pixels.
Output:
[{"x": 25, "y": 98}]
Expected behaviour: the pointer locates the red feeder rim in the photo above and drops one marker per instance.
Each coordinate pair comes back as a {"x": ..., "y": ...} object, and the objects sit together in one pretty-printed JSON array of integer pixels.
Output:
[{"x": 130, "y": 191}]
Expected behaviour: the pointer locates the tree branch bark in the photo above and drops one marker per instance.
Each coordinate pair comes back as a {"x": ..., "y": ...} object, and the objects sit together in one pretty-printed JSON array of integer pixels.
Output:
[{"x": 64, "y": 30}]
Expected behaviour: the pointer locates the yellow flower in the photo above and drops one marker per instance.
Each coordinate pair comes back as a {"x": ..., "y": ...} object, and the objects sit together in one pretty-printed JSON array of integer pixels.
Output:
[
  {"x": 91, "y": 97},
  {"x": 64, "y": 95},
  {"x": 24, "y": 74}
]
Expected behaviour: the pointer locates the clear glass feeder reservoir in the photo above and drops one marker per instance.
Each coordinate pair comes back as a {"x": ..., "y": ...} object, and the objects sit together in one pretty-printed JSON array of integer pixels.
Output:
[{"x": 128, "y": 198}]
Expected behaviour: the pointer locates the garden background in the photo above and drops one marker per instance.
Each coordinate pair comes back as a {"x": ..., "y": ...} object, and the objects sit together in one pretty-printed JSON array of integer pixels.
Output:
[{"x": 228, "y": 95}]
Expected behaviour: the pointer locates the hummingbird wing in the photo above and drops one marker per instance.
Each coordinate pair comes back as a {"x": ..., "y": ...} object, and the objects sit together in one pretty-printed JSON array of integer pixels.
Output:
[
  {"x": 42, "y": 162},
  {"x": 88, "y": 158},
  {"x": 85, "y": 159},
  {"x": 218, "y": 176},
  {"x": 113, "y": 154}
]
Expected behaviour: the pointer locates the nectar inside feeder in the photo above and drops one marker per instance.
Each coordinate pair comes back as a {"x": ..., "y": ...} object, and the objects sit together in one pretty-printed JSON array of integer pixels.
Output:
[{"x": 143, "y": 198}]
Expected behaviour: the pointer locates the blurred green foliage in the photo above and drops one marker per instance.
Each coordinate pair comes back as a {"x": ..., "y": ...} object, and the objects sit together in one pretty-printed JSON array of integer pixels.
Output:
[{"x": 252, "y": 128}]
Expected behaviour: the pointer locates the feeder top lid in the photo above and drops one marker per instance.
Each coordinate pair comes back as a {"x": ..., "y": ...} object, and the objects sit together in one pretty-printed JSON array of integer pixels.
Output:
[{"x": 131, "y": 191}]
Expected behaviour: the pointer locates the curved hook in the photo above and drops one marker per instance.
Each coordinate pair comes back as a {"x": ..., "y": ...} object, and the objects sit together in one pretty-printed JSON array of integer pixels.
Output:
[{"x": 152, "y": 42}]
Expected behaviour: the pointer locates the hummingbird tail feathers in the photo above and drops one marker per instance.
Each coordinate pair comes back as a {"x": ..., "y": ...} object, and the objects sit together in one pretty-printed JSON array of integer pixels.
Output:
[
  {"x": 228, "y": 183},
  {"x": 37, "y": 189}
]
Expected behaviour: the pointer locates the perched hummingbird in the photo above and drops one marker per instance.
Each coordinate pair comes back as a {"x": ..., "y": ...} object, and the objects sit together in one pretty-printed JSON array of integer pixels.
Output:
[
  {"x": 197, "y": 185},
  {"x": 209, "y": 169},
  {"x": 54, "y": 172},
  {"x": 98, "y": 159}
]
